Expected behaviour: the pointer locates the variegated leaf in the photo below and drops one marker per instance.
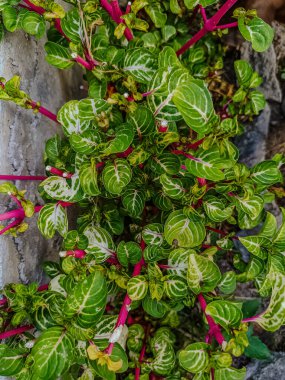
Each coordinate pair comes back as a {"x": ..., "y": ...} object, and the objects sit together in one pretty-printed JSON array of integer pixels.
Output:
[
  {"x": 72, "y": 26},
  {"x": 68, "y": 117},
  {"x": 224, "y": 313},
  {"x": 88, "y": 179},
  {"x": 140, "y": 63},
  {"x": 87, "y": 301},
  {"x": 173, "y": 187},
  {"x": 256, "y": 245},
  {"x": 274, "y": 316},
  {"x": 228, "y": 282},
  {"x": 59, "y": 188},
  {"x": 89, "y": 108},
  {"x": 193, "y": 100},
  {"x": 163, "y": 352},
  {"x": 12, "y": 360},
  {"x": 129, "y": 252},
  {"x": 251, "y": 206},
  {"x": 230, "y": 373},
  {"x": 133, "y": 200},
  {"x": 203, "y": 274},
  {"x": 178, "y": 260},
  {"x": 52, "y": 218},
  {"x": 116, "y": 176},
  {"x": 142, "y": 121},
  {"x": 175, "y": 287},
  {"x": 153, "y": 234},
  {"x": 266, "y": 173},
  {"x": 279, "y": 238},
  {"x": 216, "y": 210},
  {"x": 195, "y": 357},
  {"x": 137, "y": 288},
  {"x": 124, "y": 136},
  {"x": 269, "y": 227},
  {"x": 207, "y": 164},
  {"x": 182, "y": 231},
  {"x": 100, "y": 243},
  {"x": 53, "y": 353}
]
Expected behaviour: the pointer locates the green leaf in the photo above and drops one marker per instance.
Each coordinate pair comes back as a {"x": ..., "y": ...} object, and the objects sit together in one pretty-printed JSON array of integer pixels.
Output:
[
  {"x": 228, "y": 283},
  {"x": 193, "y": 100},
  {"x": 165, "y": 163},
  {"x": 195, "y": 357},
  {"x": 224, "y": 313},
  {"x": 142, "y": 121},
  {"x": 173, "y": 187},
  {"x": 100, "y": 243},
  {"x": 207, "y": 164},
  {"x": 140, "y": 63},
  {"x": 68, "y": 116},
  {"x": 216, "y": 210},
  {"x": 88, "y": 179},
  {"x": 257, "y": 31},
  {"x": 10, "y": 18},
  {"x": 87, "y": 301},
  {"x": 133, "y": 200},
  {"x": 61, "y": 189},
  {"x": 152, "y": 234},
  {"x": 257, "y": 349},
  {"x": 72, "y": 26},
  {"x": 266, "y": 173},
  {"x": 86, "y": 142},
  {"x": 274, "y": 316},
  {"x": 256, "y": 245},
  {"x": 124, "y": 136},
  {"x": 52, "y": 353},
  {"x": 182, "y": 231},
  {"x": 258, "y": 101},
  {"x": 155, "y": 12},
  {"x": 175, "y": 287},
  {"x": 129, "y": 252},
  {"x": 279, "y": 239},
  {"x": 116, "y": 176},
  {"x": 34, "y": 24},
  {"x": 53, "y": 217},
  {"x": 230, "y": 374},
  {"x": 153, "y": 307},
  {"x": 203, "y": 274},
  {"x": 251, "y": 206},
  {"x": 89, "y": 108},
  {"x": 243, "y": 72},
  {"x": 178, "y": 260},
  {"x": 11, "y": 360},
  {"x": 137, "y": 288},
  {"x": 58, "y": 55}
]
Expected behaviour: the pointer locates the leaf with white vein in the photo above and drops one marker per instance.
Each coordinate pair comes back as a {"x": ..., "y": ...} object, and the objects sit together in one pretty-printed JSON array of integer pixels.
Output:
[
  {"x": 195, "y": 357},
  {"x": 137, "y": 288},
  {"x": 256, "y": 245},
  {"x": 100, "y": 243},
  {"x": 184, "y": 232},
  {"x": 52, "y": 353},
  {"x": 140, "y": 63},
  {"x": 216, "y": 210},
  {"x": 58, "y": 55},
  {"x": 203, "y": 274},
  {"x": 124, "y": 136},
  {"x": 68, "y": 116},
  {"x": 61, "y": 189},
  {"x": 116, "y": 176},
  {"x": 52, "y": 218},
  {"x": 230, "y": 373},
  {"x": 89, "y": 108},
  {"x": 224, "y": 313},
  {"x": 257, "y": 31},
  {"x": 87, "y": 300}
]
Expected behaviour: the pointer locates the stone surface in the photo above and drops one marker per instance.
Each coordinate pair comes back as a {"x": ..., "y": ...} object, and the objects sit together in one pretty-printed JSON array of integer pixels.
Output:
[
  {"x": 22, "y": 139},
  {"x": 264, "y": 370}
]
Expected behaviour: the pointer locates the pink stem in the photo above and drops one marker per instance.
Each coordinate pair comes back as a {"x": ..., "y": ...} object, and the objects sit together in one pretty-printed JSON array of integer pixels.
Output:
[
  {"x": 220, "y": 232},
  {"x": 209, "y": 26},
  {"x": 57, "y": 25},
  {"x": 87, "y": 65},
  {"x": 18, "y": 214},
  {"x": 123, "y": 315},
  {"x": 16, "y": 200},
  {"x": 11, "y": 225},
  {"x": 128, "y": 9},
  {"x": 43, "y": 111},
  {"x": 203, "y": 13},
  {"x": 58, "y": 172},
  {"x": 35, "y": 8},
  {"x": 202, "y": 181},
  {"x": 107, "y": 6},
  {"x": 187, "y": 155},
  {"x": 142, "y": 354},
  {"x": 17, "y": 331},
  {"x": 77, "y": 253},
  {"x": 226, "y": 26},
  {"x": 251, "y": 319},
  {"x": 22, "y": 178},
  {"x": 213, "y": 327}
]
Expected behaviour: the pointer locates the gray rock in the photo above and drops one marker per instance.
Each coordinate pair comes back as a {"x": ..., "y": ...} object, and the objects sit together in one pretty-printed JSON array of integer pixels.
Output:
[
  {"x": 22, "y": 140},
  {"x": 264, "y": 370}
]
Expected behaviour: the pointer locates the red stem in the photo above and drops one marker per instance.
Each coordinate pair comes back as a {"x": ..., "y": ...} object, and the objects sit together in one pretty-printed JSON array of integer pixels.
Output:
[
  {"x": 11, "y": 225},
  {"x": 187, "y": 155},
  {"x": 226, "y": 26},
  {"x": 221, "y": 232},
  {"x": 214, "y": 328},
  {"x": 43, "y": 111},
  {"x": 209, "y": 25},
  {"x": 59, "y": 172},
  {"x": 123, "y": 315},
  {"x": 17, "y": 331},
  {"x": 22, "y": 177},
  {"x": 128, "y": 9},
  {"x": 88, "y": 66},
  {"x": 35, "y": 8},
  {"x": 142, "y": 354}
]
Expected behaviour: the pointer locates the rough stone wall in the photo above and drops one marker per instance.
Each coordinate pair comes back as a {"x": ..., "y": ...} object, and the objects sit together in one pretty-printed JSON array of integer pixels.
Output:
[{"x": 22, "y": 138}]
